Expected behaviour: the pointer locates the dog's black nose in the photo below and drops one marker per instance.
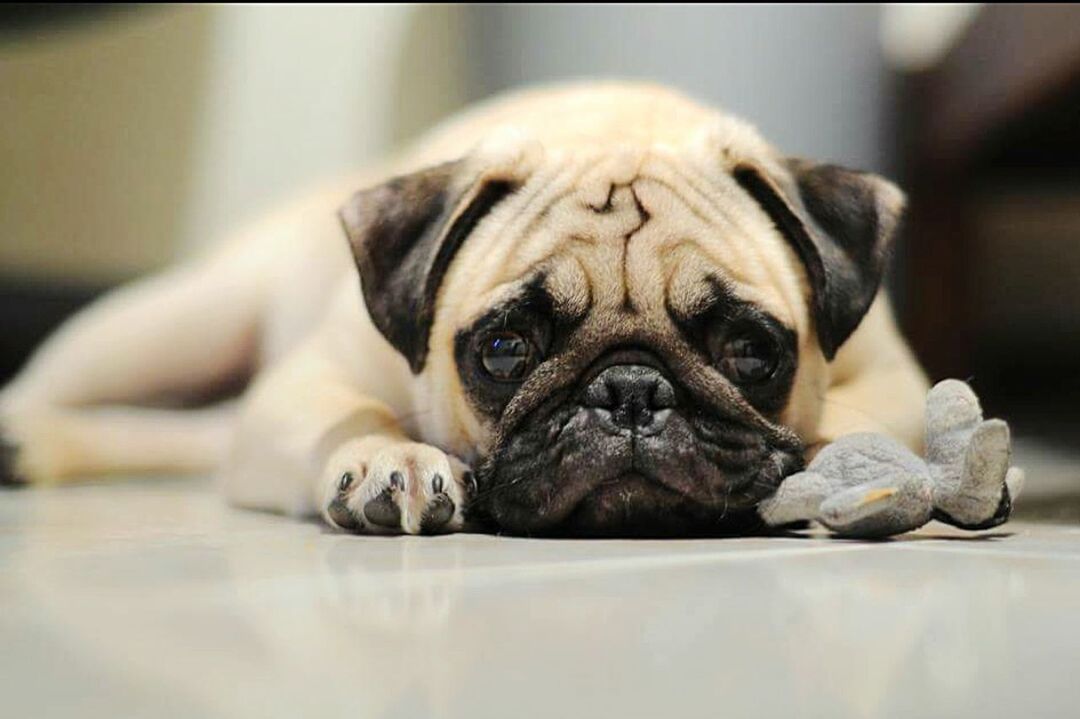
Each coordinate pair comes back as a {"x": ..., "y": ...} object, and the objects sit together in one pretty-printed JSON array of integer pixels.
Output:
[{"x": 634, "y": 397}]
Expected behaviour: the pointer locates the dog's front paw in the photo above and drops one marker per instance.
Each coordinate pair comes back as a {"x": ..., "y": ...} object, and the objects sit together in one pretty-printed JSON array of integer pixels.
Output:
[
  {"x": 394, "y": 488},
  {"x": 10, "y": 476},
  {"x": 26, "y": 449}
]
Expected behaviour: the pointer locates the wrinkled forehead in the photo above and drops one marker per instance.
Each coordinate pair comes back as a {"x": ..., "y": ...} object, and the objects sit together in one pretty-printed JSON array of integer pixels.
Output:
[{"x": 639, "y": 233}]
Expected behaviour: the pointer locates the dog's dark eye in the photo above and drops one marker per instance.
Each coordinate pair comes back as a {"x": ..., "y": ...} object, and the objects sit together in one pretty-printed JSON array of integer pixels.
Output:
[
  {"x": 506, "y": 356},
  {"x": 749, "y": 356}
]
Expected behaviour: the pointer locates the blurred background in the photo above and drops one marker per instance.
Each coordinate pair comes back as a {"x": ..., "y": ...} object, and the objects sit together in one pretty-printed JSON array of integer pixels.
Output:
[{"x": 134, "y": 136}]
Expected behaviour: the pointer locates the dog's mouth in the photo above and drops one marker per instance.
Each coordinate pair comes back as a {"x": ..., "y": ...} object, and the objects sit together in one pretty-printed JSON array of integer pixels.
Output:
[{"x": 633, "y": 504}]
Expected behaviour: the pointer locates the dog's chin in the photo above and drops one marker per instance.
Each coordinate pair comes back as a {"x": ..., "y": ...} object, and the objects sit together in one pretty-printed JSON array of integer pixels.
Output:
[
  {"x": 630, "y": 505},
  {"x": 633, "y": 505}
]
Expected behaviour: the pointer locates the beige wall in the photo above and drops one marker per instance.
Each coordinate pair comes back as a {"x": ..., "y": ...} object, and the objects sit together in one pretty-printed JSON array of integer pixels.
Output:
[{"x": 148, "y": 133}]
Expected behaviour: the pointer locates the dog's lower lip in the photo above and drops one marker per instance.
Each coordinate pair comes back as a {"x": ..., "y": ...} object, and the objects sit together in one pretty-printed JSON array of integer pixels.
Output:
[{"x": 622, "y": 486}]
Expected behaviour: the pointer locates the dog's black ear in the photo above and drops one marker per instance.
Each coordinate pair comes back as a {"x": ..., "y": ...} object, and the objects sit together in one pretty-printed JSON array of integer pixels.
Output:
[
  {"x": 841, "y": 224},
  {"x": 404, "y": 235}
]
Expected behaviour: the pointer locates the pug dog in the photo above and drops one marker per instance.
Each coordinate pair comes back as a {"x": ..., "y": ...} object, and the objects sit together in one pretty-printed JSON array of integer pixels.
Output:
[{"x": 594, "y": 309}]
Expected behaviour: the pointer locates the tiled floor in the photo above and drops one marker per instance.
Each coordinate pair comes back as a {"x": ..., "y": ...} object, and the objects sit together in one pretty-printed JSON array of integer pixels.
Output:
[{"x": 152, "y": 599}]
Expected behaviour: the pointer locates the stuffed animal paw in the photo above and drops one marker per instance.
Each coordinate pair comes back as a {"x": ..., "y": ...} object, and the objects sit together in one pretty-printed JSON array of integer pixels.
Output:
[{"x": 870, "y": 485}]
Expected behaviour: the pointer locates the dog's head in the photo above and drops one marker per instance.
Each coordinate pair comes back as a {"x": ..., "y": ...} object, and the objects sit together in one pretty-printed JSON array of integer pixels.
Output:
[{"x": 628, "y": 340}]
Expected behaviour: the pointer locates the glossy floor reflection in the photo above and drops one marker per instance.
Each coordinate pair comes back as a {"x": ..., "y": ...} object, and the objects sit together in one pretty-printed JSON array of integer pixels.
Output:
[{"x": 153, "y": 599}]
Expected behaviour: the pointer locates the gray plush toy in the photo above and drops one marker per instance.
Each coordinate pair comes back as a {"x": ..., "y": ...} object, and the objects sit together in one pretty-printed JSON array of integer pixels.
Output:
[{"x": 869, "y": 485}]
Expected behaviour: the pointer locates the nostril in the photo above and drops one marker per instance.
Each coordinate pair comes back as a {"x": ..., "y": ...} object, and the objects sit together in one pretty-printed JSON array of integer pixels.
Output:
[
  {"x": 663, "y": 395},
  {"x": 599, "y": 395}
]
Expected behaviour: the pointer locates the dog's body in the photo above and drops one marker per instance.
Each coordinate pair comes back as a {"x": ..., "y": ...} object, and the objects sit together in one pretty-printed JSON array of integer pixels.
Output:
[{"x": 547, "y": 261}]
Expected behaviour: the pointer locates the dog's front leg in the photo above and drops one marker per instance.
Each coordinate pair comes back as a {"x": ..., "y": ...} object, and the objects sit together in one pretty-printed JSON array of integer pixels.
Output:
[
  {"x": 308, "y": 441},
  {"x": 877, "y": 385}
]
